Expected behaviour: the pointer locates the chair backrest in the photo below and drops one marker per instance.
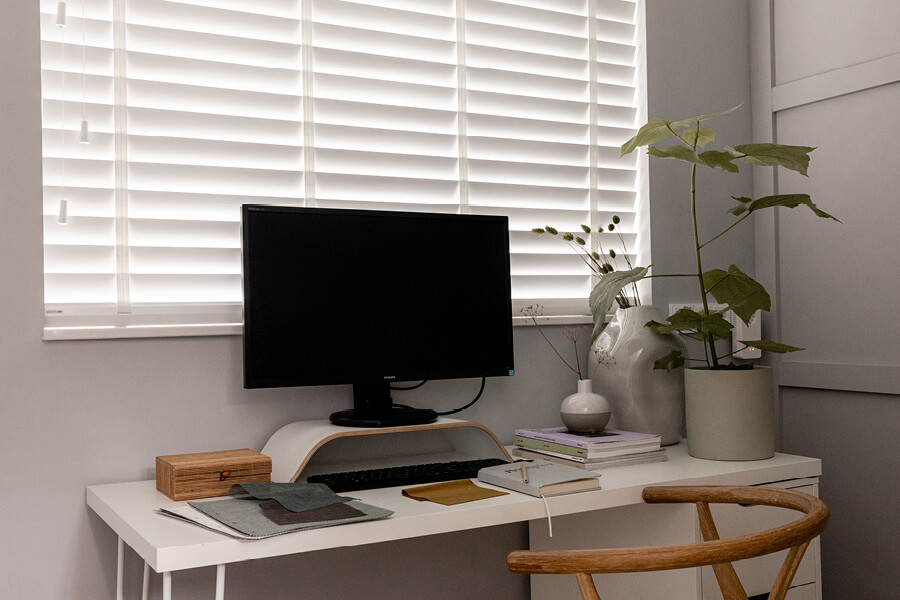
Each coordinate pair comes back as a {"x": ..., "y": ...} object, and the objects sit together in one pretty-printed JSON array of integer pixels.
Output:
[{"x": 719, "y": 553}]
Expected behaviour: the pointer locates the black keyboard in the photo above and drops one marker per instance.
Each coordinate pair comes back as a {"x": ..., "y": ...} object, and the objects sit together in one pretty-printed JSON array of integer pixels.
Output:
[{"x": 371, "y": 479}]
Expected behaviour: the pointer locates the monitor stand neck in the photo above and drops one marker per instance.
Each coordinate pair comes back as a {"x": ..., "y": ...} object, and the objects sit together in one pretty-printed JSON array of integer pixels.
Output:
[{"x": 373, "y": 407}]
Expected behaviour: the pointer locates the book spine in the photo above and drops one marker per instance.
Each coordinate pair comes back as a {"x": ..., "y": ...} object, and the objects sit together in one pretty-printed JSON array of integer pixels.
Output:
[
  {"x": 591, "y": 457},
  {"x": 614, "y": 438},
  {"x": 536, "y": 444},
  {"x": 545, "y": 455},
  {"x": 582, "y": 453},
  {"x": 552, "y": 438}
]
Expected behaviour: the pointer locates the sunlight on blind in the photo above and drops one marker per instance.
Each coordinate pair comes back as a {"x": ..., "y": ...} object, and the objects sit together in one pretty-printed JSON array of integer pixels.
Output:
[{"x": 195, "y": 107}]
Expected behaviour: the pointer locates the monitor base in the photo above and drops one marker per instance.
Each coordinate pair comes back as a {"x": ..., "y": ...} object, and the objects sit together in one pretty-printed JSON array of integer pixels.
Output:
[{"x": 398, "y": 416}]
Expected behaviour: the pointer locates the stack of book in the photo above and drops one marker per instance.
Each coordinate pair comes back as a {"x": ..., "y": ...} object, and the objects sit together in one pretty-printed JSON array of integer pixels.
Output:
[{"x": 607, "y": 448}]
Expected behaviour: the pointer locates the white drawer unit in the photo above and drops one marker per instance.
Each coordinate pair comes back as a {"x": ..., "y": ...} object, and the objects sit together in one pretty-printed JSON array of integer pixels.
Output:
[
  {"x": 758, "y": 574},
  {"x": 810, "y": 591}
]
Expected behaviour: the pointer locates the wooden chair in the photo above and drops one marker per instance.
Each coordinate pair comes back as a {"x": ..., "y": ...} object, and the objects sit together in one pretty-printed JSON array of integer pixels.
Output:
[{"x": 719, "y": 553}]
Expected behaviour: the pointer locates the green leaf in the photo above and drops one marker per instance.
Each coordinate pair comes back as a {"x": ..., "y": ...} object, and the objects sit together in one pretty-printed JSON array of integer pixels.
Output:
[
  {"x": 694, "y": 120},
  {"x": 795, "y": 158},
  {"x": 716, "y": 158},
  {"x": 672, "y": 360},
  {"x": 741, "y": 208},
  {"x": 655, "y": 130},
  {"x": 702, "y": 136},
  {"x": 786, "y": 200},
  {"x": 678, "y": 152},
  {"x": 742, "y": 294},
  {"x": 604, "y": 293},
  {"x": 769, "y": 346},
  {"x": 712, "y": 325}
]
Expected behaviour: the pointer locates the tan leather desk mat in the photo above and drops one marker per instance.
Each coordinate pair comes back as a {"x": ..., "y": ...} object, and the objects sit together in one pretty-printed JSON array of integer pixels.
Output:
[{"x": 451, "y": 492}]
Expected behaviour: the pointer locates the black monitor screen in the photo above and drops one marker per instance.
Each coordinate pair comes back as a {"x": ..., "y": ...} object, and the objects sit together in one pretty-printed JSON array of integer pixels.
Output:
[{"x": 368, "y": 297}]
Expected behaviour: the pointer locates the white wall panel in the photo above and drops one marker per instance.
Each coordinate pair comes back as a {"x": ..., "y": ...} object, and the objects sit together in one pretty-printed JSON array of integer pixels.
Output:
[
  {"x": 835, "y": 277},
  {"x": 835, "y": 86},
  {"x": 813, "y": 37}
]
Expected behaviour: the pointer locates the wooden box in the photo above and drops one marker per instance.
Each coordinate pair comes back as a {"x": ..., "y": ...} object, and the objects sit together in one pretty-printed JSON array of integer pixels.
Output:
[{"x": 207, "y": 474}]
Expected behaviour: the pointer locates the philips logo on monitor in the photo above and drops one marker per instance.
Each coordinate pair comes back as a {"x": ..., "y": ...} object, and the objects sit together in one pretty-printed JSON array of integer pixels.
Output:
[{"x": 389, "y": 377}]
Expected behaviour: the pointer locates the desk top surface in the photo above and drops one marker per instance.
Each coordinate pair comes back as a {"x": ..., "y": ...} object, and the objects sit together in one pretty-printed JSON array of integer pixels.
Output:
[{"x": 169, "y": 545}]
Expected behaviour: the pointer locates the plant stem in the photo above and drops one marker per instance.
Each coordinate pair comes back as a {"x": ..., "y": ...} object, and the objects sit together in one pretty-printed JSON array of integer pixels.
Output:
[
  {"x": 555, "y": 351},
  {"x": 577, "y": 359},
  {"x": 710, "y": 343},
  {"x": 730, "y": 227}
]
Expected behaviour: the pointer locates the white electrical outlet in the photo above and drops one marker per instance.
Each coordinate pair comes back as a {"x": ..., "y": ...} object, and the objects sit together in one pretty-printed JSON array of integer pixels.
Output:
[{"x": 745, "y": 331}]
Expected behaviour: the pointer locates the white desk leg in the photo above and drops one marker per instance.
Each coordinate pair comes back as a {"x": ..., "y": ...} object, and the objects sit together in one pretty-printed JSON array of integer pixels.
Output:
[
  {"x": 145, "y": 589},
  {"x": 120, "y": 570},
  {"x": 167, "y": 585},
  {"x": 220, "y": 582}
]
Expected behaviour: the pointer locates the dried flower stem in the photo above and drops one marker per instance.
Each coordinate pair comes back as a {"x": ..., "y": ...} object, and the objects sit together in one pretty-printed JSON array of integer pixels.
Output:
[{"x": 533, "y": 312}]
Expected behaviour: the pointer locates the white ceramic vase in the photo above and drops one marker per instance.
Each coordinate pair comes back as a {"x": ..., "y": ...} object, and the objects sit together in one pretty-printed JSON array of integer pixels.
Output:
[
  {"x": 730, "y": 413},
  {"x": 642, "y": 398},
  {"x": 585, "y": 411}
]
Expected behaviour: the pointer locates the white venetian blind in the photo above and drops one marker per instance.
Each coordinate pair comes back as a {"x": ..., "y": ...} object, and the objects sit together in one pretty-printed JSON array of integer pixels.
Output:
[
  {"x": 195, "y": 107},
  {"x": 550, "y": 98}
]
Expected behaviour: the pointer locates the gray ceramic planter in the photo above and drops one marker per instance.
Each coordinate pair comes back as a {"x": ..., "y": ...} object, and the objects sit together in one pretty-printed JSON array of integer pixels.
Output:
[{"x": 730, "y": 414}]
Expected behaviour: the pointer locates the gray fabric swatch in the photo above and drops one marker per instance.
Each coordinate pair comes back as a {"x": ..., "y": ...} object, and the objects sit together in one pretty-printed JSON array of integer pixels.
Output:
[
  {"x": 246, "y": 516},
  {"x": 274, "y": 511},
  {"x": 296, "y": 497}
]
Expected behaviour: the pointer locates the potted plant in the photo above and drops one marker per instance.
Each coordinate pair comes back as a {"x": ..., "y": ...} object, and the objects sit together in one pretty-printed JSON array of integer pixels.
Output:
[{"x": 716, "y": 392}]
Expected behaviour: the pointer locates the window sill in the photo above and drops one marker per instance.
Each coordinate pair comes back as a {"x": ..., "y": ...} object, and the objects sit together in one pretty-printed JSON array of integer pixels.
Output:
[
  {"x": 553, "y": 320},
  {"x": 140, "y": 331}
]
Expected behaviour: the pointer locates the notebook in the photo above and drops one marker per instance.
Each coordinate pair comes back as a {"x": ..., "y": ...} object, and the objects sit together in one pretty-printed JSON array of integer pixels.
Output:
[{"x": 540, "y": 478}]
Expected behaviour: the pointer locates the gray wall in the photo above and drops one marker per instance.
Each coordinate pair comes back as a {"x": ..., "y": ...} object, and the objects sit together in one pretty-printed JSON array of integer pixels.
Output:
[
  {"x": 829, "y": 76},
  {"x": 79, "y": 413}
]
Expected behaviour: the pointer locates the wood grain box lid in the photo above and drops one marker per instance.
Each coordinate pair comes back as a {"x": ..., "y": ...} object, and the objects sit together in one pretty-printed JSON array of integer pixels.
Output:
[{"x": 208, "y": 474}]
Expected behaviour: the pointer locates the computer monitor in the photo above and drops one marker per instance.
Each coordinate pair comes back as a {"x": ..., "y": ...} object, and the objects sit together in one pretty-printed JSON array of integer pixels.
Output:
[{"x": 368, "y": 298}]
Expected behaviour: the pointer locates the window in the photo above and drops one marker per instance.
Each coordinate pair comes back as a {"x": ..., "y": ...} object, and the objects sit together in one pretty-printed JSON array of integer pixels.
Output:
[{"x": 192, "y": 108}]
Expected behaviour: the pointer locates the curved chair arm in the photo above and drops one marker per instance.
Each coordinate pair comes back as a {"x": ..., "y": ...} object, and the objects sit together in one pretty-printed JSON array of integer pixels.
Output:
[{"x": 713, "y": 551}]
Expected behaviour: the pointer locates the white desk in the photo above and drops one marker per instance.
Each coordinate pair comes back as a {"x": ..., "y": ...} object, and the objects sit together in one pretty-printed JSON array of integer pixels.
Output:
[{"x": 167, "y": 545}]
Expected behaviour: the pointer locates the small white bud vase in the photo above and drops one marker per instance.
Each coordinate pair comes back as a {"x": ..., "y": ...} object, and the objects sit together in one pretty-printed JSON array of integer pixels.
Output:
[
  {"x": 642, "y": 398},
  {"x": 585, "y": 411}
]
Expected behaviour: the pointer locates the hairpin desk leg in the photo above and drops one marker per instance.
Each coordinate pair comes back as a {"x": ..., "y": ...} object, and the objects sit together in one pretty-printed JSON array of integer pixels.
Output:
[
  {"x": 145, "y": 588},
  {"x": 120, "y": 569},
  {"x": 167, "y": 578},
  {"x": 220, "y": 582}
]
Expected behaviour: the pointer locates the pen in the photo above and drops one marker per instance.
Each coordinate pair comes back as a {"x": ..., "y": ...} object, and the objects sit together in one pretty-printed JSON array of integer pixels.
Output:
[{"x": 524, "y": 468}]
